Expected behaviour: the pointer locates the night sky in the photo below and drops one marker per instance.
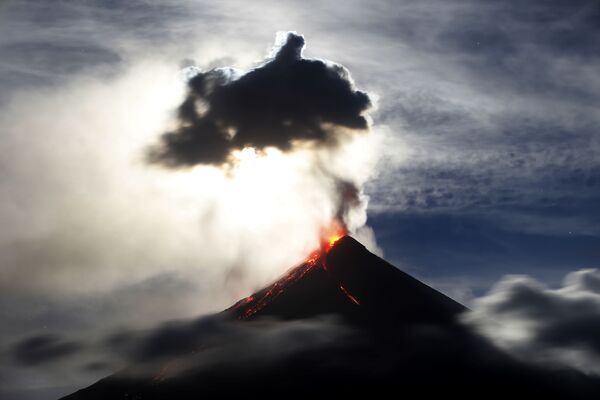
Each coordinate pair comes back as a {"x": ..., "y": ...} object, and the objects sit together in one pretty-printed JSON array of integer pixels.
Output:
[{"x": 483, "y": 160}]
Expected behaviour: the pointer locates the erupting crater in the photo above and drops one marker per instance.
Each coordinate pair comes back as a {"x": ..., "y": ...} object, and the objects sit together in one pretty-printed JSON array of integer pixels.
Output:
[
  {"x": 314, "y": 265},
  {"x": 344, "y": 278}
]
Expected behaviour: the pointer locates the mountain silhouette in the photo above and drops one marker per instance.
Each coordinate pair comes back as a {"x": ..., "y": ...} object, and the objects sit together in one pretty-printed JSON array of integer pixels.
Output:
[
  {"x": 350, "y": 281},
  {"x": 344, "y": 323}
]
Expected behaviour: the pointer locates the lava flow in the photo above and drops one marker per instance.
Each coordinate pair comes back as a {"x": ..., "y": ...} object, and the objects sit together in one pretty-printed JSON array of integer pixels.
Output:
[
  {"x": 251, "y": 305},
  {"x": 348, "y": 295}
]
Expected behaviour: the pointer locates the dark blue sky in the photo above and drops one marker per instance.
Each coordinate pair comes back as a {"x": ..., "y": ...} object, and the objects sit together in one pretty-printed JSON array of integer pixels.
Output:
[{"x": 504, "y": 175}]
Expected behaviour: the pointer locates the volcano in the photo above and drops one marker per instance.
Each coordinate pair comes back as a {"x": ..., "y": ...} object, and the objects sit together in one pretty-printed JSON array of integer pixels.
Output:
[
  {"x": 343, "y": 323},
  {"x": 349, "y": 281}
]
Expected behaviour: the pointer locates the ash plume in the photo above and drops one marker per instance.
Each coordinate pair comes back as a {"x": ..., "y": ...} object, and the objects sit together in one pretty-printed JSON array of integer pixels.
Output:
[
  {"x": 288, "y": 102},
  {"x": 287, "y": 99}
]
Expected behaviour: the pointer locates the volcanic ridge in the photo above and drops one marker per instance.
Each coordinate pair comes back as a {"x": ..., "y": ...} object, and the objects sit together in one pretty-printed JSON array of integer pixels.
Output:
[{"x": 343, "y": 323}]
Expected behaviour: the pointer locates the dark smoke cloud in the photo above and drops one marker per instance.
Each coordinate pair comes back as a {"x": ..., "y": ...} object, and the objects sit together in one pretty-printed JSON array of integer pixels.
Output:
[
  {"x": 287, "y": 99},
  {"x": 326, "y": 351},
  {"x": 199, "y": 344},
  {"x": 349, "y": 198},
  {"x": 216, "y": 340},
  {"x": 43, "y": 349}
]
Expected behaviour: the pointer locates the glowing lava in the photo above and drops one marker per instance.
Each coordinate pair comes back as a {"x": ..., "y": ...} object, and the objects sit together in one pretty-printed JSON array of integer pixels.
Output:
[
  {"x": 251, "y": 305},
  {"x": 348, "y": 295},
  {"x": 331, "y": 234}
]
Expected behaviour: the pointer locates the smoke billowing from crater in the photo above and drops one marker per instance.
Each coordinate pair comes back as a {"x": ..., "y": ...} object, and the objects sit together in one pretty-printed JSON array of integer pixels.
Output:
[
  {"x": 104, "y": 233},
  {"x": 287, "y": 103}
]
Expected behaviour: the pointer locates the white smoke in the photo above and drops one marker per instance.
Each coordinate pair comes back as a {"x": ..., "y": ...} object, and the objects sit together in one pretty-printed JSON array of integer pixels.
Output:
[
  {"x": 543, "y": 325},
  {"x": 88, "y": 215}
]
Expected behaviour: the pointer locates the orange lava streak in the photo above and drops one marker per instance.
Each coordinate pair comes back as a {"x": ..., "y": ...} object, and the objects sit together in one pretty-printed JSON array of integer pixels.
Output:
[
  {"x": 352, "y": 298},
  {"x": 255, "y": 304},
  {"x": 251, "y": 305},
  {"x": 314, "y": 258}
]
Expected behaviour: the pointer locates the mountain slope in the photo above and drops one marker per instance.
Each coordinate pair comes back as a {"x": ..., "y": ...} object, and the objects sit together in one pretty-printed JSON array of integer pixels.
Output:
[
  {"x": 348, "y": 280},
  {"x": 343, "y": 323}
]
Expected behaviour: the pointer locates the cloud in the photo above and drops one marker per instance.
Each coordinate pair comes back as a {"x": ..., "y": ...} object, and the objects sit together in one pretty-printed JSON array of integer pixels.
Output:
[
  {"x": 201, "y": 344},
  {"x": 288, "y": 102},
  {"x": 43, "y": 349},
  {"x": 495, "y": 110},
  {"x": 325, "y": 351},
  {"x": 285, "y": 100},
  {"x": 543, "y": 325},
  {"x": 217, "y": 340}
]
